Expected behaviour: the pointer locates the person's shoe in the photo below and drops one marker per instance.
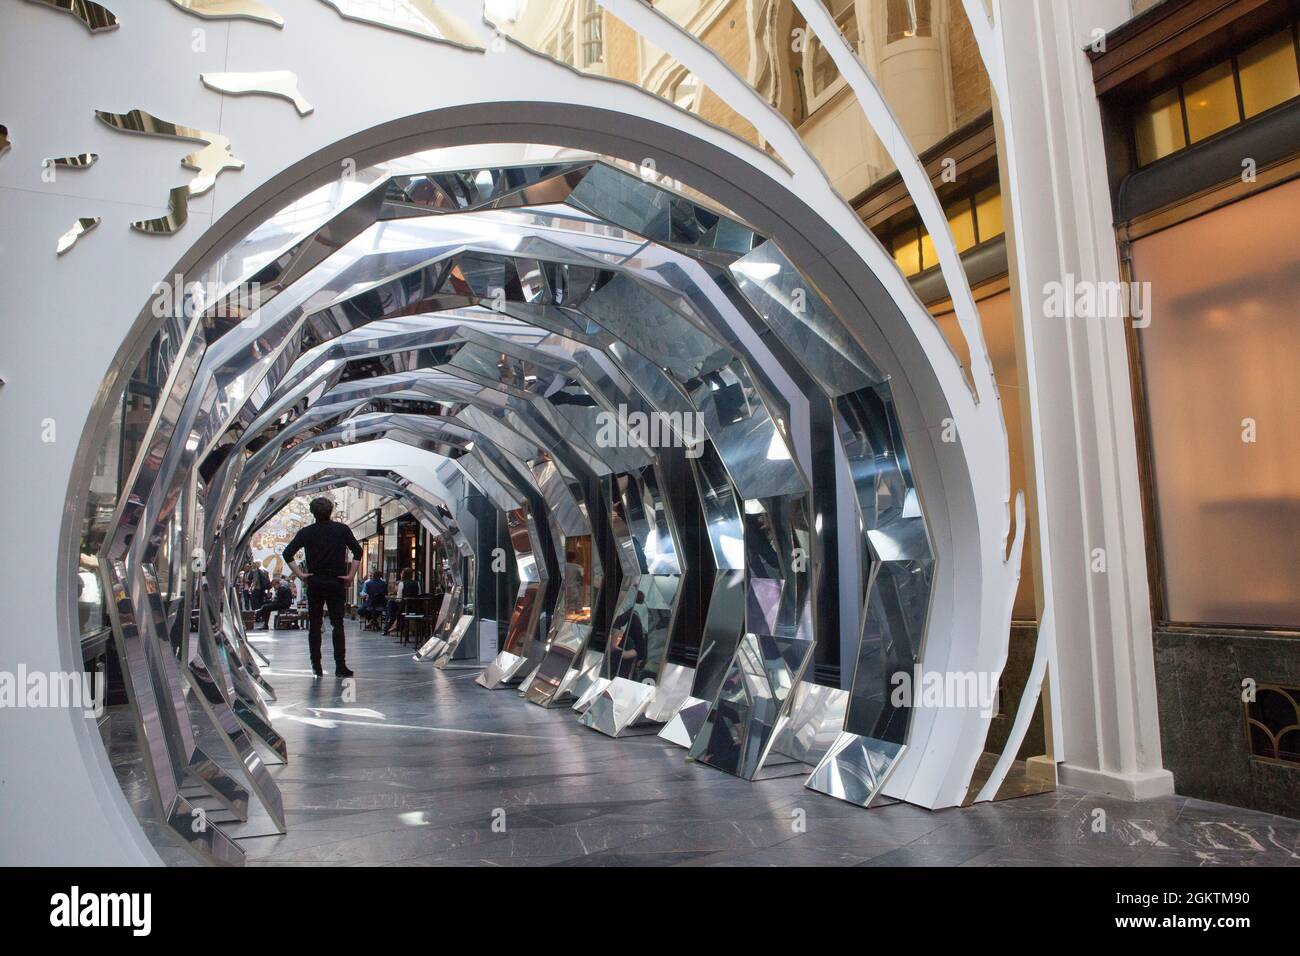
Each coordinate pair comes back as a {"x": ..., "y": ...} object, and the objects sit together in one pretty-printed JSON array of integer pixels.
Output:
[
  {"x": 342, "y": 672},
  {"x": 316, "y": 669}
]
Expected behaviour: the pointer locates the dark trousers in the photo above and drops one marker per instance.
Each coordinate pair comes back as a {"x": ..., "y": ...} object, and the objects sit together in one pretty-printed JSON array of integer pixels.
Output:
[
  {"x": 320, "y": 595},
  {"x": 264, "y": 612}
]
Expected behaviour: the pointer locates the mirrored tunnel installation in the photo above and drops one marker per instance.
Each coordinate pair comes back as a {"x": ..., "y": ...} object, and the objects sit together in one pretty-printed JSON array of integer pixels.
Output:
[{"x": 641, "y": 439}]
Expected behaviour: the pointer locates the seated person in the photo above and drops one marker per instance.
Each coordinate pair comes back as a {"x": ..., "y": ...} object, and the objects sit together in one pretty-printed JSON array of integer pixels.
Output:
[
  {"x": 375, "y": 591},
  {"x": 407, "y": 589},
  {"x": 282, "y": 601}
]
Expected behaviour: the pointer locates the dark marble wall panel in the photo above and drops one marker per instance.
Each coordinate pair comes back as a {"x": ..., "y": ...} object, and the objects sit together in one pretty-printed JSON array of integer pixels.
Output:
[
  {"x": 1202, "y": 725},
  {"x": 1011, "y": 685}
]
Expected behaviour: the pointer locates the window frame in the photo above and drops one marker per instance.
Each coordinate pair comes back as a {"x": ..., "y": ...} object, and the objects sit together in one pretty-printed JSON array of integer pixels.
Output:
[
  {"x": 1169, "y": 217},
  {"x": 815, "y": 101},
  {"x": 1139, "y": 108}
]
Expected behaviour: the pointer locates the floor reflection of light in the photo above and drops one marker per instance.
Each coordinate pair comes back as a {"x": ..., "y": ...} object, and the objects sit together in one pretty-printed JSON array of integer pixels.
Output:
[
  {"x": 313, "y": 721},
  {"x": 350, "y": 712}
]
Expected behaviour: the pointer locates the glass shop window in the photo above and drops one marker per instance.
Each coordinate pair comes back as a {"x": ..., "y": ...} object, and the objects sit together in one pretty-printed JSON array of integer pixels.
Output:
[
  {"x": 1257, "y": 79},
  {"x": 1219, "y": 363}
]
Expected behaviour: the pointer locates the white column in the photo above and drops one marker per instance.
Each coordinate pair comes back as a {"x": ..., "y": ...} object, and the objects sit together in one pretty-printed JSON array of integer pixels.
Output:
[{"x": 1077, "y": 381}]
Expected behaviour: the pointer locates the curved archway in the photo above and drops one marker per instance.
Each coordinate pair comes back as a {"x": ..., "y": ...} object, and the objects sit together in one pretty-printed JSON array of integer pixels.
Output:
[{"x": 953, "y": 481}]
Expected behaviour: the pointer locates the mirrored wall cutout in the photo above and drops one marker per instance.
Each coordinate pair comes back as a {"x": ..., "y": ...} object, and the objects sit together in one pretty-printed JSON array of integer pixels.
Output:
[
  {"x": 231, "y": 9},
  {"x": 278, "y": 83},
  {"x": 178, "y": 213},
  {"x": 71, "y": 237},
  {"x": 421, "y": 18},
  {"x": 81, "y": 161},
  {"x": 96, "y": 18},
  {"x": 209, "y": 162}
]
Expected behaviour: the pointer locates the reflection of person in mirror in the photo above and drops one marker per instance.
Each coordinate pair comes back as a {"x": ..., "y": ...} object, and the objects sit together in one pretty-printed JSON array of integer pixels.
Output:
[
  {"x": 629, "y": 641},
  {"x": 327, "y": 544}
]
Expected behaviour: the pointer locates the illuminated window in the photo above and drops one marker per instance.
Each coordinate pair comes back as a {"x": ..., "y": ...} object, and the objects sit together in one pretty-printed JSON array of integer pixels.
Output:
[
  {"x": 1210, "y": 99},
  {"x": 1159, "y": 128},
  {"x": 907, "y": 252},
  {"x": 1268, "y": 74},
  {"x": 973, "y": 219},
  {"x": 1261, "y": 77},
  {"x": 988, "y": 213},
  {"x": 929, "y": 258},
  {"x": 961, "y": 220}
]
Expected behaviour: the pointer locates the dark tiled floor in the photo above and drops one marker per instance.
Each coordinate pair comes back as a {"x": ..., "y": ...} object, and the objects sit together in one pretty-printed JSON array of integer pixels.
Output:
[{"x": 416, "y": 769}]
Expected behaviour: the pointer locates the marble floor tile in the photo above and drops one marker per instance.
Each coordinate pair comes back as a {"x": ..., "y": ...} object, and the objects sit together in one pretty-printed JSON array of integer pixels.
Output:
[{"x": 424, "y": 768}]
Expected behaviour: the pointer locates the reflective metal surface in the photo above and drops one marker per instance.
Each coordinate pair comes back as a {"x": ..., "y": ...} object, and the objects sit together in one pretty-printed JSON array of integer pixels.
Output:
[
  {"x": 209, "y": 162},
  {"x": 505, "y": 669},
  {"x": 79, "y": 229},
  {"x": 439, "y": 648},
  {"x": 96, "y": 17},
  {"x": 230, "y": 9},
  {"x": 422, "y": 18},
  {"x": 855, "y": 769},
  {"x": 281, "y": 83},
  {"x": 82, "y": 161},
  {"x": 178, "y": 213},
  {"x": 671, "y": 691},
  {"x": 816, "y": 716},
  {"x": 618, "y": 705},
  {"x": 558, "y": 356},
  {"x": 753, "y": 704}
]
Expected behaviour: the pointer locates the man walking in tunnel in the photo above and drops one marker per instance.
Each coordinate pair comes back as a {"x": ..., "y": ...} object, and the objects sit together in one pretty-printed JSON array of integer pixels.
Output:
[{"x": 328, "y": 570}]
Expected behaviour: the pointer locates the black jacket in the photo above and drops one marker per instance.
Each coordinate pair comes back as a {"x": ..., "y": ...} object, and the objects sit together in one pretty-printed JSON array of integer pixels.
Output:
[{"x": 326, "y": 544}]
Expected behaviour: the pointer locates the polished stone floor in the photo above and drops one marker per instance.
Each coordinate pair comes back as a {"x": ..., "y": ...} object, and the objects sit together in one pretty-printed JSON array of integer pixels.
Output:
[{"x": 418, "y": 768}]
